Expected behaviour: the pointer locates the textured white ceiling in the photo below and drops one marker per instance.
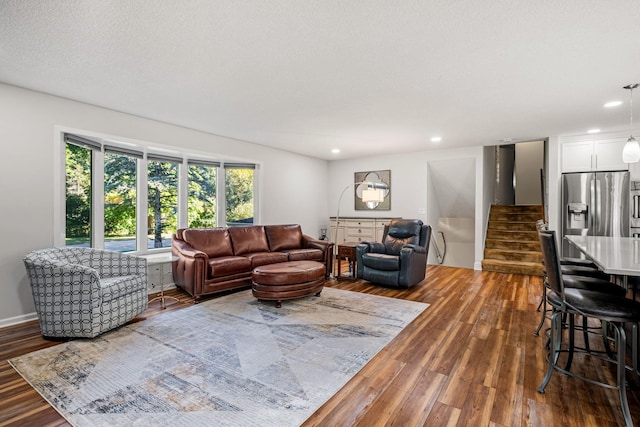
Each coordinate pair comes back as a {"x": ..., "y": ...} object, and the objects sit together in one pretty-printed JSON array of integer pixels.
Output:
[{"x": 369, "y": 77}]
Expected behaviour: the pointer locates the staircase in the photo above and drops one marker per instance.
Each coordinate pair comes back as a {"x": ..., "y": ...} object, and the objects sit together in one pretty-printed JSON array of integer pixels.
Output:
[{"x": 512, "y": 244}]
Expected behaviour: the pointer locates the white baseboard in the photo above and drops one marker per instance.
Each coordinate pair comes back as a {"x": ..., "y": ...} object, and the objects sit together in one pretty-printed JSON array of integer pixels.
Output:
[
  {"x": 33, "y": 316},
  {"x": 18, "y": 319}
]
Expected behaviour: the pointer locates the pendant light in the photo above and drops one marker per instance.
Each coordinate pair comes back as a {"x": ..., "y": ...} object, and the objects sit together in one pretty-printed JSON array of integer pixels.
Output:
[{"x": 631, "y": 150}]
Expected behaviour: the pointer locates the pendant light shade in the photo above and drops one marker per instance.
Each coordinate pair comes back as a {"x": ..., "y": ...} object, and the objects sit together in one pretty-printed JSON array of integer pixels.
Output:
[{"x": 631, "y": 150}]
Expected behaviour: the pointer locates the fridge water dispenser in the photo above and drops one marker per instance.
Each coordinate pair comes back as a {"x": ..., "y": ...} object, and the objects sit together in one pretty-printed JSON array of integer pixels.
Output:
[{"x": 578, "y": 215}]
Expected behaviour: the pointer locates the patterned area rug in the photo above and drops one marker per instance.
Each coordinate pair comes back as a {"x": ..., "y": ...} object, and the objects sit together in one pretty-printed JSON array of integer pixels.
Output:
[{"x": 231, "y": 361}]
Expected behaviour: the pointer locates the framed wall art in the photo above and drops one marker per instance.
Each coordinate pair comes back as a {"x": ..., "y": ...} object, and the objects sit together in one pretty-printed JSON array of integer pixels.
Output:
[{"x": 360, "y": 180}]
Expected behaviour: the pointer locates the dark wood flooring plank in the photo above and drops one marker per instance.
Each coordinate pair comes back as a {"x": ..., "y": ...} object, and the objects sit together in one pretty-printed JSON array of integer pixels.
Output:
[{"x": 469, "y": 359}]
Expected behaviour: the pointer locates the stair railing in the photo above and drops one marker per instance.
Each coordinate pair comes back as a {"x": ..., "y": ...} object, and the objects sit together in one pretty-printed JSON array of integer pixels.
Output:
[{"x": 439, "y": 254}]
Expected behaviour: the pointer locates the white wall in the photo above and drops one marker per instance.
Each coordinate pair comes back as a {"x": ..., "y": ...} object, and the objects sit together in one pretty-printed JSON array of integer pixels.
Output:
[
  {"x": 409, "y": 186},
  {"x": 292, "y": 186},
  {"x": 529, "y": 161},
  {"x": 452, "y": 191}
]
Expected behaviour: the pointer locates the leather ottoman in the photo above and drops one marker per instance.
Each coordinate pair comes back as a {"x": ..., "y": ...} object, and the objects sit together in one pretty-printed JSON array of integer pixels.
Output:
[{"x": 287, "y": 280}]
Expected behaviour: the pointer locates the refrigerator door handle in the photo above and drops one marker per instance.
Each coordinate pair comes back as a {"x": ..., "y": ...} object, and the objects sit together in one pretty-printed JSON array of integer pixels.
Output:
[
  {"x": 598, "y": 205},
  {"x": 590, "y": 213}
]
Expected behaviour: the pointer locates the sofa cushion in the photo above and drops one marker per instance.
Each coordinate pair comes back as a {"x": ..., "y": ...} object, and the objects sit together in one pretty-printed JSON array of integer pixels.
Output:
[
  {"x": 227, "y": 265},
  {"x": 263, "y": 258},
  {"x": 115, "y": 287},
  {"x": 402, "y": 232},
  {"x": 249, "y": 239},
  {"x": 305, "y": 254},
  {"x": 381, "y": 262},
  {"x": 215, "y": 242},
  {"x": 283, "y": 237}
]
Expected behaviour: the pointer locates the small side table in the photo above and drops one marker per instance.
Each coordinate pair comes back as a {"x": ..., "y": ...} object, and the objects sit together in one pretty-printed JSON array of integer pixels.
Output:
[
  {"x": 347, "y": 251},
  {"x": 162, "y": 262}
]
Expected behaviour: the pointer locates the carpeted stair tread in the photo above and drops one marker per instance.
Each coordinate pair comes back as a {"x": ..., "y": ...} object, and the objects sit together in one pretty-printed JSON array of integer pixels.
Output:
[
  {"x": 537, "y": 209},
  {"x": 512, "y": 244},
  {"x": 511, "y": 255},
  {"x": 516, "y": 245},
  {"x": 518, "y": 217},
  {"x": 517, "y": 267},
  {"x": 512, "y": 235},
  {"x": 512, "y": 225}
]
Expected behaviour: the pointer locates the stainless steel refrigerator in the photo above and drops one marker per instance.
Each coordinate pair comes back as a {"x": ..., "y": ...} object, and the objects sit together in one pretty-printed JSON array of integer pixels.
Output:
[{"x": 594, "y": 204}]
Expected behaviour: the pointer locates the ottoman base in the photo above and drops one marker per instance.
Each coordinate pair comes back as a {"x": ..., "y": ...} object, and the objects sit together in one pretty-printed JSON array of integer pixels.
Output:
[{"x": 287, "y": 280}]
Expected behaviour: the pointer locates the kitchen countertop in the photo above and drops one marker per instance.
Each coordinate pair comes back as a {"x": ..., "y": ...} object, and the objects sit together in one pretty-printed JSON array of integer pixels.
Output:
[{"x": 613, "y": 255}]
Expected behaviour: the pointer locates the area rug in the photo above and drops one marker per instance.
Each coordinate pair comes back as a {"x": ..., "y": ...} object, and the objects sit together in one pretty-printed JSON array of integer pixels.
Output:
[{"x": 231, "y": 361}]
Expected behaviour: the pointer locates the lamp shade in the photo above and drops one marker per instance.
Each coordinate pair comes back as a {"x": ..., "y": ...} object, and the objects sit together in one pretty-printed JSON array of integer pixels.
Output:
[
  {"x": 631, "y": 151},
  {"x": 377, "y": 196}
]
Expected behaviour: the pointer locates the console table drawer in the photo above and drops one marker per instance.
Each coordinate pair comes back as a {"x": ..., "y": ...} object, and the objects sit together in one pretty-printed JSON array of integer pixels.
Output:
[{"x": 360, "y": 234}]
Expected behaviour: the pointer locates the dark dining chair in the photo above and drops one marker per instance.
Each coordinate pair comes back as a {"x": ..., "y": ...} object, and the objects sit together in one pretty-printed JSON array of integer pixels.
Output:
[
  {"x": 578, "y": 273},
  {"x": 613, "y": 310}
]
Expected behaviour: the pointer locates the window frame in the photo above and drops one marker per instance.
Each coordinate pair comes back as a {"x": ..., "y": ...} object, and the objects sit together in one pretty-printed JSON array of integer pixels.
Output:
[
  {"x": 144, "y": 149},
  {"x": 203, "y": 163}
]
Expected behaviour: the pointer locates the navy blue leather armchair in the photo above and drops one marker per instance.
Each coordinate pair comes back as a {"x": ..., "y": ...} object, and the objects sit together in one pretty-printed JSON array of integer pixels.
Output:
[{"x": 400, "y": 260}]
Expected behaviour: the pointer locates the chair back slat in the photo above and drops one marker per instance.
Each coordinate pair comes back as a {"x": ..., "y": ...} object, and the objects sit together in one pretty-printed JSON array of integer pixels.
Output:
[{"x": 551, "y": 261}]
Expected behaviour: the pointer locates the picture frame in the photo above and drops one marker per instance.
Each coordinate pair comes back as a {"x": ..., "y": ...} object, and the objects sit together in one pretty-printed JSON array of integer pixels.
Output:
[{"x": 361, "y": 178}]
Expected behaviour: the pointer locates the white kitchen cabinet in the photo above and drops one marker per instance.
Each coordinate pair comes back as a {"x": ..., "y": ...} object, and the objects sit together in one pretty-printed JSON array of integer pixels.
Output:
[{"x": 593, "y": 155}]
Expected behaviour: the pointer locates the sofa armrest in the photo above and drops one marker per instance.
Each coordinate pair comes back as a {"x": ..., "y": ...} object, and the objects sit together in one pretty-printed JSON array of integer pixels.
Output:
[
  {"x": 182, "y": 248},
  {"x": 374, "y": 247},
  {"x": 190, "y": 269},
  {"x": 309, "y": 242},
  {"x": 416, "y": 248},
  {"x": 76, "y": 280},
  {"x": 326, "y": 248},
  {"x": 364, "y": 248},
  {"x": 413, "y": 264}
]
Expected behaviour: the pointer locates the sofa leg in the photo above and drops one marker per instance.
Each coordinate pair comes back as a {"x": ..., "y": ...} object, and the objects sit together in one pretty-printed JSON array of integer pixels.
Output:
[{"x": 278, "y": 304}]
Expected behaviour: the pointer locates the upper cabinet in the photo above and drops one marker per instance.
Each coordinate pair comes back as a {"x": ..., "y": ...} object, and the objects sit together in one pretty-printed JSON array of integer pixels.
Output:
[{"x": 599, "y": 155}]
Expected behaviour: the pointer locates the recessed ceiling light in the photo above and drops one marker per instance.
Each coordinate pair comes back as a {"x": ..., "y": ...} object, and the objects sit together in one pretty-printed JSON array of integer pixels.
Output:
[
  {"x": 612, "y": 104},
  {"x": 335, "y": 151},
  {"x": 593, "y": 131},
  {"x": 436, "y": 139}
]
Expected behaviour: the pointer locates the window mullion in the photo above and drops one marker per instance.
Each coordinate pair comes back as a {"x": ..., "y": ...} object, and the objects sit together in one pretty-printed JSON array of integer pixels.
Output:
[
  {"x": 183, "y": 194},
  {"x": 97, "y": 197},
  {"x": 221, "y": 198},
  {"x": 142, "y": 218},
  {"x": 256, "y": 195}
]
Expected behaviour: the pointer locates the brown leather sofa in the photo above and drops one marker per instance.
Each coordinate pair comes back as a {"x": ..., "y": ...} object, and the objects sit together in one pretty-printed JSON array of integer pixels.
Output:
[{"x": 212, "y": 260}]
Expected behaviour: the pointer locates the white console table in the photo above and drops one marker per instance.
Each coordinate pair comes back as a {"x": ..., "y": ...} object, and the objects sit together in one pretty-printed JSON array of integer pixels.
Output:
[{"x": 357, "y": 229}]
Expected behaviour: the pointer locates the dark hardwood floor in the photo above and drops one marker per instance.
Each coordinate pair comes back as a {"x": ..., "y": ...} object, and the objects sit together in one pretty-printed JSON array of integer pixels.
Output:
[{"x": 470, "y": 359}]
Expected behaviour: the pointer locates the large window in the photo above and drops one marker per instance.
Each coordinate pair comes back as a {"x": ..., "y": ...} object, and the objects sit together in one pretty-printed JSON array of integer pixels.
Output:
[
  {"x": 239, "y": 194},
  {"x": 78, "y": 172},
  {"x": 126, "y": 197},
  {"x": 162, "y": 195},
  {"x": 120, "y": 196},
  {"x": 202, "y": 202}
]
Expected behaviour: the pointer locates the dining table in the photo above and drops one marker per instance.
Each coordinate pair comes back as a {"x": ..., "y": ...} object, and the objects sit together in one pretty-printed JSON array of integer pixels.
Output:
[{"x": 619, "y": 256}]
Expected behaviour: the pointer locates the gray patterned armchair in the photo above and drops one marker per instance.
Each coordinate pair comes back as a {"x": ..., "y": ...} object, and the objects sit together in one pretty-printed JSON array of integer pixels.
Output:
[{"x": 83, "y": 292}]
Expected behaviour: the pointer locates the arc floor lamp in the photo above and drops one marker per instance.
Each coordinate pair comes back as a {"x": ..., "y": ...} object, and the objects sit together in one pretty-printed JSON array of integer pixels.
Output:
[{"x": 371, "y": 196}]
